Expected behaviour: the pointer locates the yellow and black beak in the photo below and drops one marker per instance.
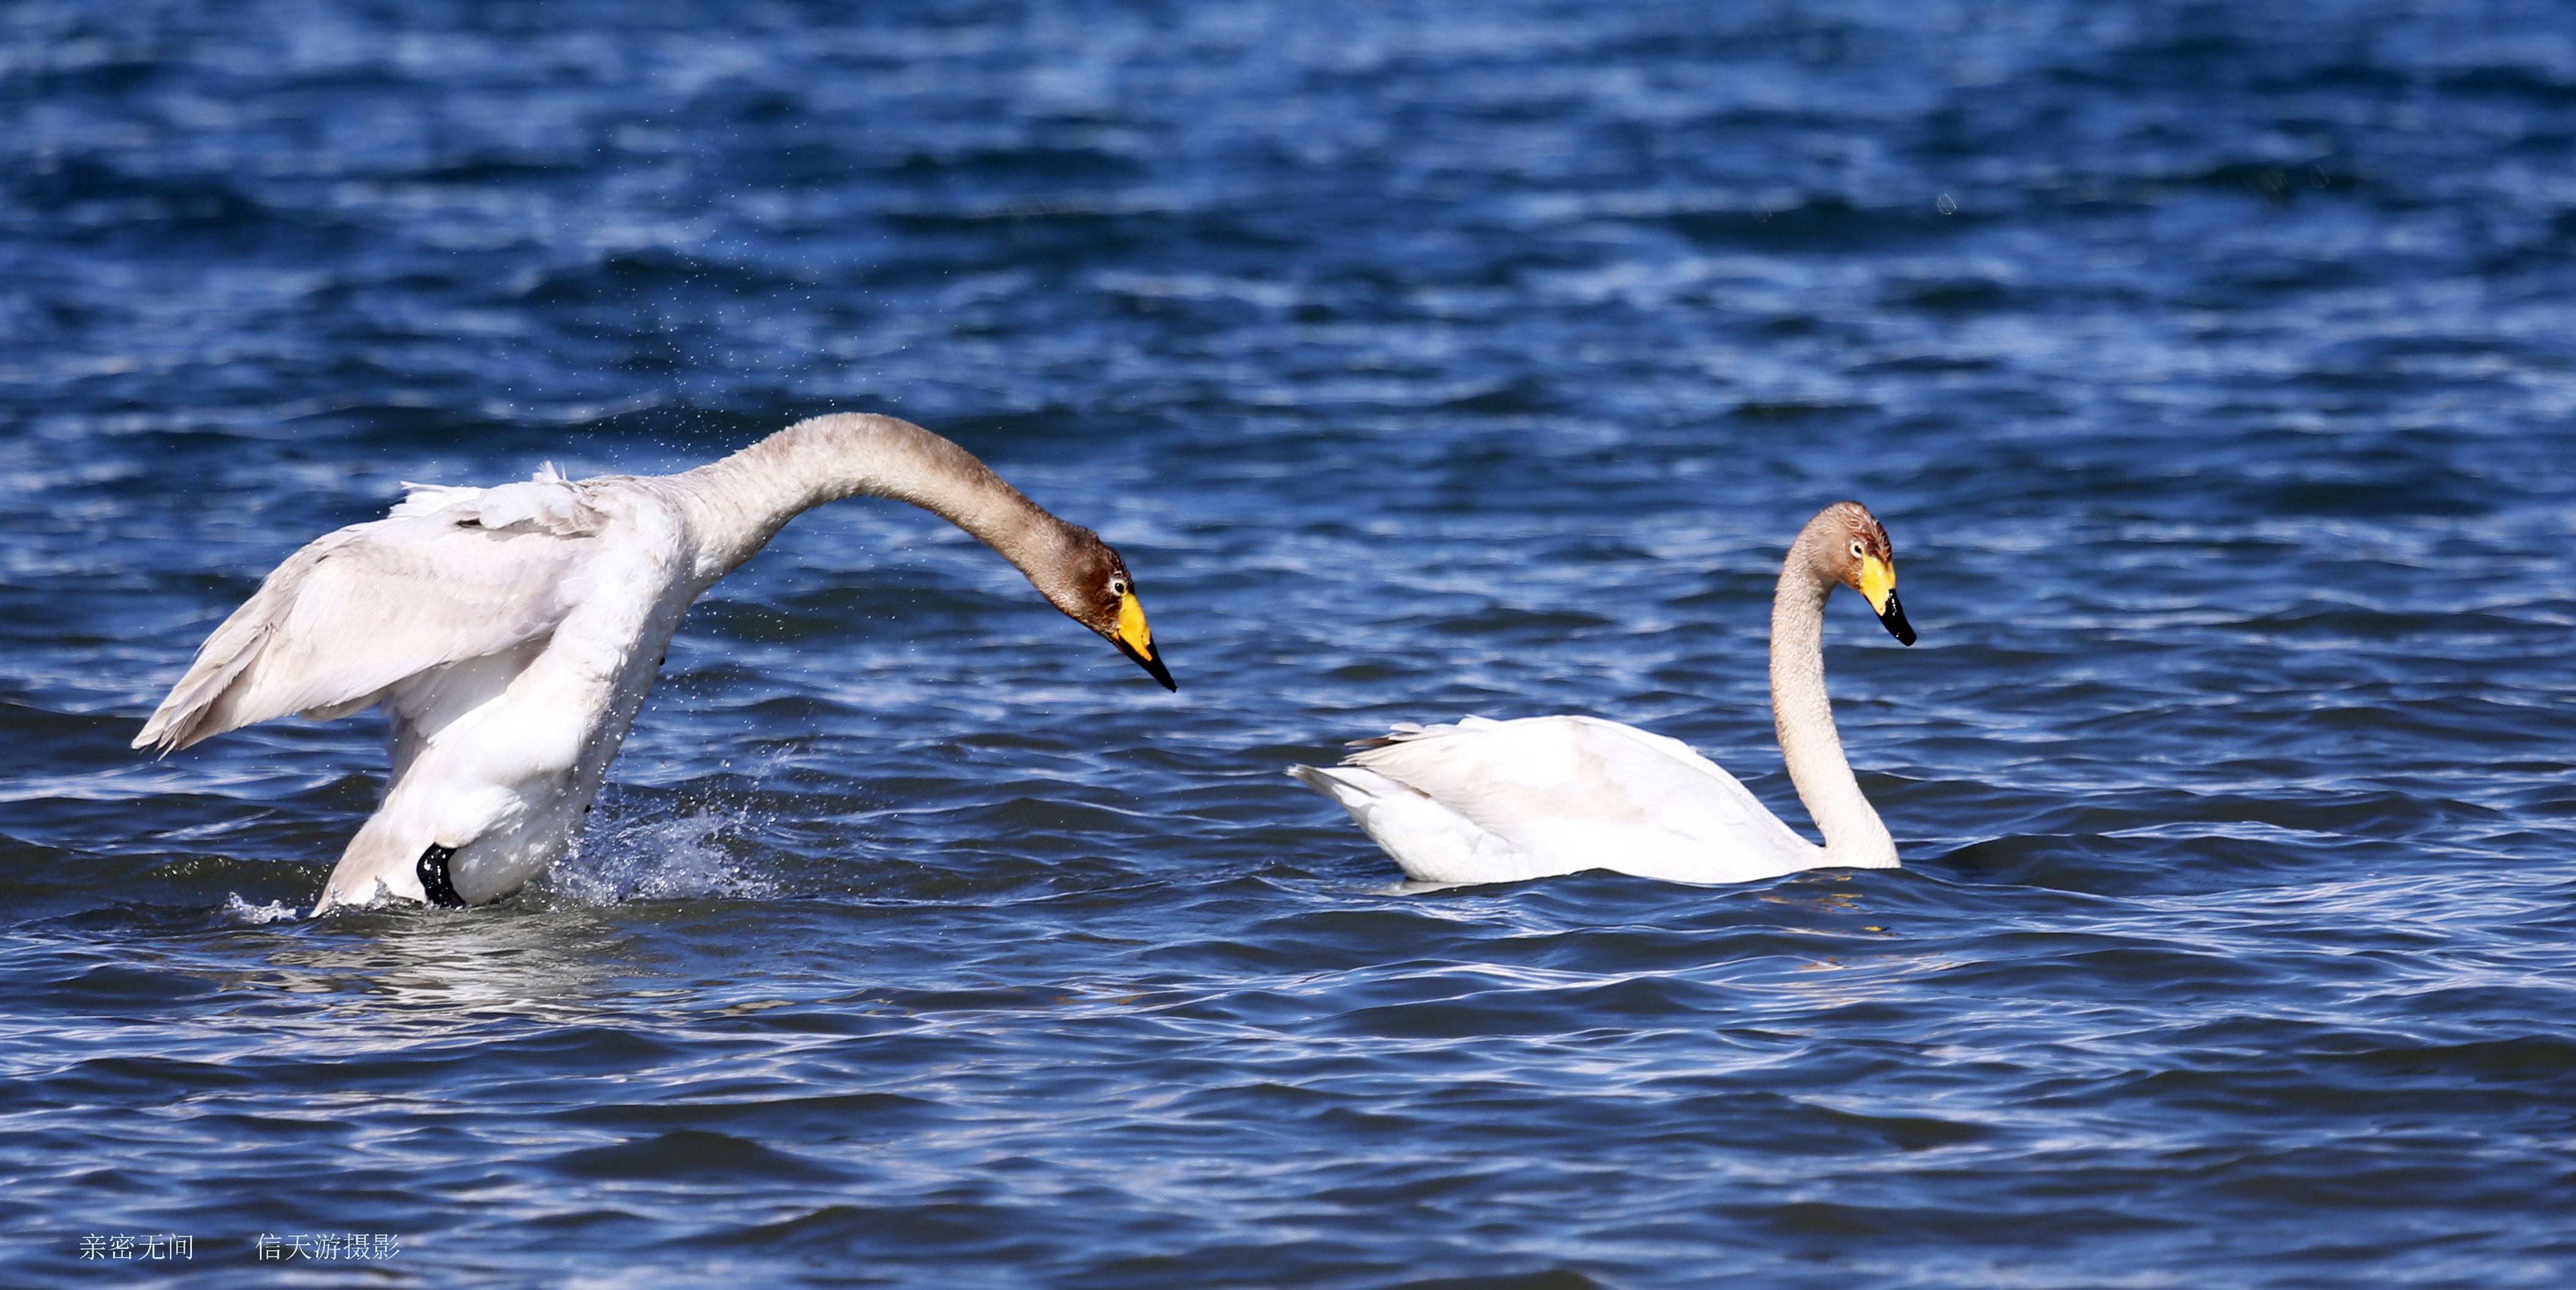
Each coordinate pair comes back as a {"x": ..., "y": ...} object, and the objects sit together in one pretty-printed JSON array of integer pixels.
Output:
[
  {"x": 1135, "y": 640},
  {"x": 1878, "y": 586}
]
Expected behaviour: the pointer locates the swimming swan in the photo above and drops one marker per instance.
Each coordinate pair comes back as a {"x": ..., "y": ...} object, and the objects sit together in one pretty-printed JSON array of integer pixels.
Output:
[
  {"x": 511, "y": 633},
  {"x": 1500, "y": 801}
]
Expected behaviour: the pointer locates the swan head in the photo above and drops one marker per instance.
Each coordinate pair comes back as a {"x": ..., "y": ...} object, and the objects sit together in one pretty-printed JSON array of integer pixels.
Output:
[
  {"x": 1090, "y": 583},
  {"x": 1856, "y": 553}
]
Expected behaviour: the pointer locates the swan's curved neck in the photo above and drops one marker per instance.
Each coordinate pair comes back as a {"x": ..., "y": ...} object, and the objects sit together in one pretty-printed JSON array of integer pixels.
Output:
[
  {"x": 1854, "y": 835},
  {"x": 742, "y": 501}
]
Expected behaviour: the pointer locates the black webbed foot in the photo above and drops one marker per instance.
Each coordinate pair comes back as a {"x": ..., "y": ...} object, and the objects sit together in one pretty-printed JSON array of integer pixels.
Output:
[{"x": 434, "y": 881}]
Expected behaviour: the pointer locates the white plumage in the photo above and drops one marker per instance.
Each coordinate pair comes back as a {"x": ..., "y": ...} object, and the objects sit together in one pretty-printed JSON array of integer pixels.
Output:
[
  {"x": 511, "y": 633},
  {"x": 1502, "y": 801}
]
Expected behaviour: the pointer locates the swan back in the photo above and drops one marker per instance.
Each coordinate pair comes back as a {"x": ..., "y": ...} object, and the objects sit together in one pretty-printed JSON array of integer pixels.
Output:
[
  {"x": 544, "y": 503},
  {"x": 1495, "y": 801}
]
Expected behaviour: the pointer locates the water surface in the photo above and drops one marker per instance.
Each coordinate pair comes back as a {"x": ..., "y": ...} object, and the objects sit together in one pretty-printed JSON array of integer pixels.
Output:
[{"x": 2211, "y": 367}]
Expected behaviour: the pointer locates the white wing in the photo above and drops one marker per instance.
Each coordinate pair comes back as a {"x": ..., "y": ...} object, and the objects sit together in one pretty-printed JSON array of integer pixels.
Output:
[
  {"x": 452, "y": 574},
  {"x": 1493, "y": 801}
]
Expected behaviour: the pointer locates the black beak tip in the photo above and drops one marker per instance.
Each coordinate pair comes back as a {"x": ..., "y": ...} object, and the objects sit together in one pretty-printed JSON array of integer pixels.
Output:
[
  {"x": 1152, "y": 663},
  {"x": 1893, "y": 618}
]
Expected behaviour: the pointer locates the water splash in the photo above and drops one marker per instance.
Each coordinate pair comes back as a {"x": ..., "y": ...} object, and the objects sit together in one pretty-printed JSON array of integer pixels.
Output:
[
  {"x": 242, "y": 913},
  {"x": 658, "y": 854}
]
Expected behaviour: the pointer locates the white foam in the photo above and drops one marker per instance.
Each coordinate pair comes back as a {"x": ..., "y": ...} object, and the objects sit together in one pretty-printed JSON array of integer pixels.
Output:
[
  {"x": 238, "y": 910},
  {"x": 657, "y": 857}
]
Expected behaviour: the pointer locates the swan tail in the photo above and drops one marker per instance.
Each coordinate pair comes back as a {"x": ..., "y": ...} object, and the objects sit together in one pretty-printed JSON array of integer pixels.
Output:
[{"x": 1430, "y": 842}]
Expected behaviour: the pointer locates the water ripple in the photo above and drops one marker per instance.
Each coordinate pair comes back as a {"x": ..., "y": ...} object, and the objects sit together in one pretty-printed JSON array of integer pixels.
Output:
[{"x": 2207, "y": 365}]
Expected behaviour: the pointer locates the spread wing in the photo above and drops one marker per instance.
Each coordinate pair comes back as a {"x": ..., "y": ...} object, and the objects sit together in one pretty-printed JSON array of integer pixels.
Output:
[
  {"x": 452, "y": 574},
  {"x": 1565, "y": 794}
]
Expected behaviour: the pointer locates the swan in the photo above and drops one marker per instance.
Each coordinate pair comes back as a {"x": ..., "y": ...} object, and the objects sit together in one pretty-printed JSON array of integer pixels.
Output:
[
  {"x": 1500, "y": 801},
  {"x": 511, "y": 633}
]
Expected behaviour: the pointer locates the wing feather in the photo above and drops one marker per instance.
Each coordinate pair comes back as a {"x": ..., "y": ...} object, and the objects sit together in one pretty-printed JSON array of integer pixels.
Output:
[
  {"x": 453, "y": 574},
  {"x": 1574, "y": 793}
]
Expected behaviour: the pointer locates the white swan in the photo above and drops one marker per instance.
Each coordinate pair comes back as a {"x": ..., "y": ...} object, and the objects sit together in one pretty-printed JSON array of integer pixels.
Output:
[
  {"x": 511, "y": 633},
  {"x": 1500, "y": 801}
]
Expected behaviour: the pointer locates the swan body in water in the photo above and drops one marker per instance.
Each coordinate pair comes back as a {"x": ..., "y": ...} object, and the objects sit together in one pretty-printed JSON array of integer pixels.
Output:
[
  {"x": 1499, "y": 801},
  {"x": 511, "y": 633}
]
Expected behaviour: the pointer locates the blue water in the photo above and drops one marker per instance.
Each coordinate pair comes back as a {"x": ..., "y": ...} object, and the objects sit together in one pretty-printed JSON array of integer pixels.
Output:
[{"x": 2213, "y": 367}]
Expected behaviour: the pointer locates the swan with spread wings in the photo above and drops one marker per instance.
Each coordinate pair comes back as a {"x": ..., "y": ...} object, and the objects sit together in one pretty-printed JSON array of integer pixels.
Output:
[{"x": 511, "y": 633}]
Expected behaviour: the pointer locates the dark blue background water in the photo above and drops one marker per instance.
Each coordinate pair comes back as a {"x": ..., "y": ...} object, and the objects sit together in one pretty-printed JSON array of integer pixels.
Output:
[{"x": 2213, "y": 367}]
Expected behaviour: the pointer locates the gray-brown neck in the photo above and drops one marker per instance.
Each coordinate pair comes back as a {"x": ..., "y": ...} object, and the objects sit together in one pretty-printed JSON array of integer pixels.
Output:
[
  {"x": 1854, "y": 835},
  {"x": 741, "y": 502}
]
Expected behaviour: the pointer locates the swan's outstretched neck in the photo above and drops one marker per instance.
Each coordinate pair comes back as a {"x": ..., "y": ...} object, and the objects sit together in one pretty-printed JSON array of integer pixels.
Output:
[
  {"x": 736, "y": 505},
  {"x": 1854, "y": 835},
  {"x": 743, "y": 500}
]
